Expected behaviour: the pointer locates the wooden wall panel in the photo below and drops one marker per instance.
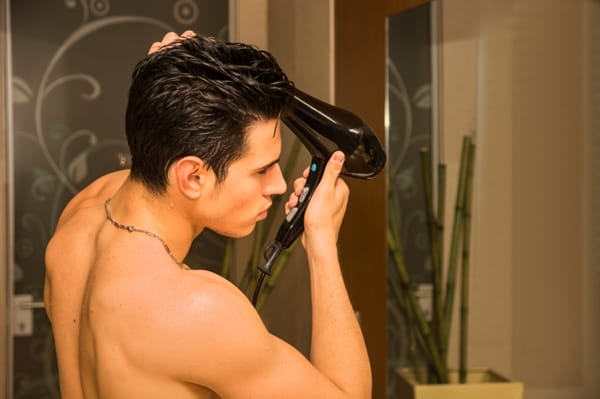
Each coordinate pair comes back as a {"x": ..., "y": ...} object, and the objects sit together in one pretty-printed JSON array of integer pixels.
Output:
[{"x": 359, "y": 80}]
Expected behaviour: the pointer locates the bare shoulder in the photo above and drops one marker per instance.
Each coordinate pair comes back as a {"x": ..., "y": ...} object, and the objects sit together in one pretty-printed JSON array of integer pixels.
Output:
[
  {"x": 94, "y": 194},
  {"x": 219, "y": 301},
  {"x": 220, "y": 338},
  {"x": 72, "y": 240},
  {"x": 216, "y": 321}
]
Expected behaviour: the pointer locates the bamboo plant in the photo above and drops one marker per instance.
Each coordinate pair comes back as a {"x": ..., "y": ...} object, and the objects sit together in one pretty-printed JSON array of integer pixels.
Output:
[{"x": 431, "y": 338}]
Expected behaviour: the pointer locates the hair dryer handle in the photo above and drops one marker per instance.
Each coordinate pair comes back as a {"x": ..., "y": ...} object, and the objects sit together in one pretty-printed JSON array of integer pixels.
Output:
[{"x": 293, "y": 225}]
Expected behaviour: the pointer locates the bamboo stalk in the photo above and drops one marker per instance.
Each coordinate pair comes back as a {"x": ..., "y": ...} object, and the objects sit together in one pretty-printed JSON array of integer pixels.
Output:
[
  {"x": 464, "y": 308},
  {"x": 246, "y": 278},
  {"x": 250, "y": 273},
  {"x": 437, "y": 318},
  {"x": 440, "y": 220},
  {"x": 441, "y": 213},
  {"x": 455, "y": 244},
  {"x": 441, "y": 203},
  {"x": 430, "y": 349},
  {"x": 435, "y": 346},
  {"x": 414, "y": 339},
  {"x": 398, "y": 295},
  {"x": 397, "y": 315},
  {"x": 227, "y": 259},
  {"x": 401, "y": 296},
  {"x": 398, "y": 309},
  {"x": 420, "y": 325}
]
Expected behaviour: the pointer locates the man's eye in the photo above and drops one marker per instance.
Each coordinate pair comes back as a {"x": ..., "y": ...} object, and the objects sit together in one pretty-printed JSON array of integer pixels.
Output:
[
  {"x": 263, "y": 171},
  {"x": 266, "y": 169}
]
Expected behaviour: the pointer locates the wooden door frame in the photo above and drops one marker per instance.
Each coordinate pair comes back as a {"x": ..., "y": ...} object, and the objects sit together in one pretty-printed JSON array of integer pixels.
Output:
[{"x": 359, "y": 85}]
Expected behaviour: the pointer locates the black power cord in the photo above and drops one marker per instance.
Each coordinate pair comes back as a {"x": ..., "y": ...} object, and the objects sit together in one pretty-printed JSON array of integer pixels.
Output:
[{"x": 271, "y": 254}]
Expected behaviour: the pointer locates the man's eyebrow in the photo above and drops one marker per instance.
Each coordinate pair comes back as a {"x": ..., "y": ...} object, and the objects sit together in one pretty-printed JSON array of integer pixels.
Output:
[{"x": 267, "y": 166}]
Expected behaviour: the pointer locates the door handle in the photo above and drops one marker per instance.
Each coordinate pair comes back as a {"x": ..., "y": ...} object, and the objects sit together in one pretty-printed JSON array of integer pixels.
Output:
[
  {"x": 22, "y": 314},
  {"x": 31, "y": 305}
]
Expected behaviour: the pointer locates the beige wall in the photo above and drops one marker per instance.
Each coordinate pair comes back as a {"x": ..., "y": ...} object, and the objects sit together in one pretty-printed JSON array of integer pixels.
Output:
[
  {"x": 249, "y": 21},
  {"x": 526, "y": 88}
]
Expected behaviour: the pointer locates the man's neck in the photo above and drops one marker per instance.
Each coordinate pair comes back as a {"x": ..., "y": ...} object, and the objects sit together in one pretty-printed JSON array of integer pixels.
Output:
[{"x": 164, "y": 215}]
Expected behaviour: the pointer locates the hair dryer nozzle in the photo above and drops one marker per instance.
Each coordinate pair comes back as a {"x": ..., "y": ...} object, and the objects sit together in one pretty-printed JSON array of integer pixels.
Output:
[{"x": 324, "y": 128}]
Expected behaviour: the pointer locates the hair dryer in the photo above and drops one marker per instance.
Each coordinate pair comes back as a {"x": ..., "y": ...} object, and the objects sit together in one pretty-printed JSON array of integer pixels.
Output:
[{"x": 323, "y": 128}]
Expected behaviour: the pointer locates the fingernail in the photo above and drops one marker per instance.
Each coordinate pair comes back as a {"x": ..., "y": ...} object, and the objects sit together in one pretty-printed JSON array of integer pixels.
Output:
[{"x": 338, "y": 156}]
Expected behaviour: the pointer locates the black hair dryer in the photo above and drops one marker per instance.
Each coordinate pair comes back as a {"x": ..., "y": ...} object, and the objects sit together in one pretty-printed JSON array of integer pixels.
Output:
[{"x": 323, "y": 128}]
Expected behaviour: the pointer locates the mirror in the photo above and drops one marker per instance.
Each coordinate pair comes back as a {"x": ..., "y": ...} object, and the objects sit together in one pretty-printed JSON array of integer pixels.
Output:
[
  {"x": 411, "y": 112},
  {"x": 528, "y": 94}
]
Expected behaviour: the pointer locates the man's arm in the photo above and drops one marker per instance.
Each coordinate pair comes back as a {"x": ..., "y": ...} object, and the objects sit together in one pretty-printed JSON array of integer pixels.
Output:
[
  {"x": 337, "y": 348},
  {"x": 219, "y": 340}
]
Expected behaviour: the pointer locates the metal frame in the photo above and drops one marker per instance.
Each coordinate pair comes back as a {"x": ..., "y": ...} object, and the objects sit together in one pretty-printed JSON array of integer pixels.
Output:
[
  {"x": 6, "y": 246},
  {"x": 3, "y": 281}
]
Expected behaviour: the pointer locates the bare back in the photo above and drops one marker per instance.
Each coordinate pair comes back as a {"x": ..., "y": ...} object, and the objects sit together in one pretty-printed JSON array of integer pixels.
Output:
[
  {"x": 109, "y": 302},
  {"x": 129, "y": 322}
]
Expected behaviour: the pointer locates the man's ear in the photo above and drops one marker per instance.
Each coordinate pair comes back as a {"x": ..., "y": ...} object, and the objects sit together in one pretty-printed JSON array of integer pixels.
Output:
[{"x": 190, "y": 175}]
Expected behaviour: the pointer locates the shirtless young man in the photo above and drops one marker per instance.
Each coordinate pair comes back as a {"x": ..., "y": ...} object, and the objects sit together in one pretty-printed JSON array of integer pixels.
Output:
[{"x": 129, "y": 320}]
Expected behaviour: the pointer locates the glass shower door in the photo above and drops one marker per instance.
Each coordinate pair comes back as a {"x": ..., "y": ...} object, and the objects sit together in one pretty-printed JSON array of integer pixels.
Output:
[{"x": 68, "y": 69}]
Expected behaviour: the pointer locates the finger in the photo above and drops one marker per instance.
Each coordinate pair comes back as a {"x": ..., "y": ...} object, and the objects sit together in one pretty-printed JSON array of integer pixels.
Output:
[
  {"x": 188, "y": 34},
  {"x": 154, "y": 47},
  {"x": 333, "y": 167},
  {"x": 305, "y": 172},
  {"x": 299, "y": 185},
  {"x": 291, "y": 202},
  {"x": 169, "y": 38}
]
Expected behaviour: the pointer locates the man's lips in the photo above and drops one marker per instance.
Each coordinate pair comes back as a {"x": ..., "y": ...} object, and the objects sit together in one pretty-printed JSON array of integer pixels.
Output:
[{"x": 263, "y": 214}]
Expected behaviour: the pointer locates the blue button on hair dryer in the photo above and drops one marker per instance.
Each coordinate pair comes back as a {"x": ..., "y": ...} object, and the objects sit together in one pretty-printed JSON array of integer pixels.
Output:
[{"x": 323, "y": 128}]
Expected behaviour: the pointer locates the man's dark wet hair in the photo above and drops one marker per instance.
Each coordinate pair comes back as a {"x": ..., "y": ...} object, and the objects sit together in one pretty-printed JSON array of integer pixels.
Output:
[{"x": 198, "y": 97}]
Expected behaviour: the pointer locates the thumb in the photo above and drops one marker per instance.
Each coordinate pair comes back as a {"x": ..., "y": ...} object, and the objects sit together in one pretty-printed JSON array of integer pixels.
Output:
[{"x": 334, "y": 166}]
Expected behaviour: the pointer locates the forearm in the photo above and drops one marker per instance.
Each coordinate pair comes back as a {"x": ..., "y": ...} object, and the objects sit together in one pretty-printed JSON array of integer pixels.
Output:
[{"x": 338, "y": 349}]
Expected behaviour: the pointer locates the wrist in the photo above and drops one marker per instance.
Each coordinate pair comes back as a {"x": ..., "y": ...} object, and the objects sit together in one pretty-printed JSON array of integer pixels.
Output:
[{"x": 321, "y": 249}]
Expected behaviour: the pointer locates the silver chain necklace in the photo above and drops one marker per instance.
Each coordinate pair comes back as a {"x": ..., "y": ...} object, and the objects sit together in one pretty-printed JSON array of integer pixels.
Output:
[{"x": 132, "y": 229}]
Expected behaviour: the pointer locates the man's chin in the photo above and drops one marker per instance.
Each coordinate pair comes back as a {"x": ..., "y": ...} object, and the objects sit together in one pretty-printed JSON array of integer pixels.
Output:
[{"x": 240, "y": 233}]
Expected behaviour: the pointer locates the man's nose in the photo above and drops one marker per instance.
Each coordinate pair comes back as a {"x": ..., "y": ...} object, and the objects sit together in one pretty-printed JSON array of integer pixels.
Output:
[{"x": 277, "y": 184}]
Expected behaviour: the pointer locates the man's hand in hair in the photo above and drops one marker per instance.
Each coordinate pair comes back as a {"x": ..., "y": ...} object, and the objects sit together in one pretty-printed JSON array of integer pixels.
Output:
[{"x": 170, "y": 38}]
